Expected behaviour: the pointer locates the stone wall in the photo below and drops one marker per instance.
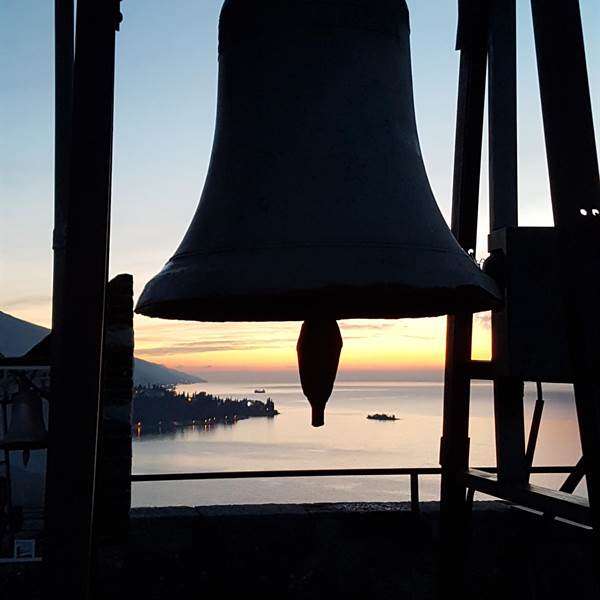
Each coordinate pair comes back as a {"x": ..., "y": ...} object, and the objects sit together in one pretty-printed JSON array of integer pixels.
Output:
[
  {"x": 329, "y": 551},
  {"x": 113, "y": 483}
]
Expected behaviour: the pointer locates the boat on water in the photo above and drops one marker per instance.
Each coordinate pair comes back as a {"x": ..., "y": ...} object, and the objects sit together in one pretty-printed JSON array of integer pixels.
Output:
[
  {"x": 382, "y": 417},
  {"x": 259, "y": 391}
]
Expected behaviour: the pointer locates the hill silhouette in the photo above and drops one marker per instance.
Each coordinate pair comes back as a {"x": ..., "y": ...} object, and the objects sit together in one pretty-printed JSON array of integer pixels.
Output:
[{"x": 18, "y": 336}]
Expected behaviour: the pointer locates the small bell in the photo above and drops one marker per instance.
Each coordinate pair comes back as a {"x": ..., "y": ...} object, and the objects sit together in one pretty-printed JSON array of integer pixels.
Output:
[{"x": 26, "y": 429}]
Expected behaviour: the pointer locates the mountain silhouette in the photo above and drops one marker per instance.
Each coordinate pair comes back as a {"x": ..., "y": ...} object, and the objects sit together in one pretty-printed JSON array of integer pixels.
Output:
[{"x": 18, "y": 336}]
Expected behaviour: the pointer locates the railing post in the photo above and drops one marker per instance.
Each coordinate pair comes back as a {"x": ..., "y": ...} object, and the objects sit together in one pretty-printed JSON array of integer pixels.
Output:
[{"x": 414, "y": 492}]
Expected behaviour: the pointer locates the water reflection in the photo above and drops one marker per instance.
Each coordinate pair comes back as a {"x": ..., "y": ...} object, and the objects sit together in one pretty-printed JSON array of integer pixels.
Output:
[
  {"x": 196, "y": 430},
  {"x": 348, "y": 440}
]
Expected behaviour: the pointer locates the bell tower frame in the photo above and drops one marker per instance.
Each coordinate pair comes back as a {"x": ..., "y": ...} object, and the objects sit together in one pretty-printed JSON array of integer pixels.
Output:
[
  {"x": 486, "y": 38},
  {"x": 548, "y": 330}
]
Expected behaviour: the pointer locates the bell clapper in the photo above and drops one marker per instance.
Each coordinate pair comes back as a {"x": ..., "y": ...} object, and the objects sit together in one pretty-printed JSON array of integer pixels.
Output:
[{"x": 319, "y": 347}]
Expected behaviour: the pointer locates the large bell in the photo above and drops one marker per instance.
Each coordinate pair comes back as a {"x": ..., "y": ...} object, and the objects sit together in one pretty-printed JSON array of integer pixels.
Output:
[
  {"x": 316, "y": 203},
  {"x": 26, "y": 429}
]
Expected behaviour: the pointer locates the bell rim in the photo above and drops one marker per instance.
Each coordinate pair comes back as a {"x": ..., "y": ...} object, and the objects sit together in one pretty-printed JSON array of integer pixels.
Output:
[
  {"x": 227, "y": 308},
  {"x": 296, "y": 283}
]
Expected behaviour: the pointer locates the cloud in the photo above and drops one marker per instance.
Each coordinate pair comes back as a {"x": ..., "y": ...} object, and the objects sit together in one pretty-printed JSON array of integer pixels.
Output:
[
  {"x": 253, "y": 336},
  {"x": 374, "y": 325},
  {"x": 223, "y": 345},
  {"x": 368, "y": 329},
  {"x": 27, "y": 301}
]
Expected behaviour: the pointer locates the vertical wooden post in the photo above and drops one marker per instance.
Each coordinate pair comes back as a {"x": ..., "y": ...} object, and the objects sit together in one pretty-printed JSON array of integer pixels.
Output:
[
  {"x": 76, "y": 370},
  {"x": 509, "y": 426},
  {"x": 502, "y": 119},
  {"x": 574, "y": 185},
  {"x": 502, "y": 114},
  {"x": 454, "y": 450},
  {"x": 567, "y": 112}
]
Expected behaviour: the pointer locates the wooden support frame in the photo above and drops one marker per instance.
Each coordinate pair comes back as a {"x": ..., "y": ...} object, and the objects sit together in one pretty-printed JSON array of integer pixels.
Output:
[
  {"x": 534, "y": 430},
  {"x": 573, "y": 168},
  {"x": 572, "y": 161},
  {"x": 454, "y": 447},
  {"x": 575, "y": 189},
  {"x": 560, "y": 504},
  {"x": 502, "y": 121}
]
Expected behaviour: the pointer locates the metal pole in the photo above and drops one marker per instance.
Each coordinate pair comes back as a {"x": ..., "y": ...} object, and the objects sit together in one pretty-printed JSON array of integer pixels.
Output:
[
  {"x": 63, "y": 108},
  {"x": 75, "y": 405},
  {"x": 411, "y": 471},
  {"x": 414, "y": 493}
]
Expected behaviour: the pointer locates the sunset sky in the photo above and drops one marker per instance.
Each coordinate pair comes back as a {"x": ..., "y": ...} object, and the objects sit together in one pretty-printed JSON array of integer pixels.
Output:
[{"x": 164, "y": 120}]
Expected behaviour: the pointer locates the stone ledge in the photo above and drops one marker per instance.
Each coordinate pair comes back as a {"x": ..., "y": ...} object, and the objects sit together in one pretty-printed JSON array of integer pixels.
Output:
[
  {"x": 272, "y": 509},
  {"x": 325, "y": 551}
]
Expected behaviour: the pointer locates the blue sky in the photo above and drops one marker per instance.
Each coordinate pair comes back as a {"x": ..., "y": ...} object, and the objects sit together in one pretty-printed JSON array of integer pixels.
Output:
[{"x": 164, "y": 119}]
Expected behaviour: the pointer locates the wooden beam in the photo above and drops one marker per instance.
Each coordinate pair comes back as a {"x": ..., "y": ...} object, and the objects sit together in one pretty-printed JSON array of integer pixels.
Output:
[
  {"x": 509, "y": 422},
  {"x": 534, "y": 430},
  {"x": 502, "y": 114},
  {"x": 560, "y": 504},
  {"x": 482, "y": 369},
  {"x": 566, "y": 109},
  {"x": 574, "y": 185},
  {"x": 454, "y": 446}
]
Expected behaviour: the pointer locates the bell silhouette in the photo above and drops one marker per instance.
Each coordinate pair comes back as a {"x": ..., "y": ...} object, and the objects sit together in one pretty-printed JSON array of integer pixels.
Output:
[
  {"x": 26, "y": 429},
  {"x": 316, "y": 204}
]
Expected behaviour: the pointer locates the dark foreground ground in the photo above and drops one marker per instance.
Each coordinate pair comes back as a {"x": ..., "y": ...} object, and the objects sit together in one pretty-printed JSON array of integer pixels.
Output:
[{"x": 317, "y": 551}]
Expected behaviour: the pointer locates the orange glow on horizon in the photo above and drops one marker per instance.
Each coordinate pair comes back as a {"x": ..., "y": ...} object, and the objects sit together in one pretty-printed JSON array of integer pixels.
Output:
[{"x": 371, "y": 345}]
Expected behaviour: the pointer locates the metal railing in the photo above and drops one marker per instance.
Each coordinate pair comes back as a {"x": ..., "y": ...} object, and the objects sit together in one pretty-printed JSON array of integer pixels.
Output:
[{"x": 413, "y": 472}]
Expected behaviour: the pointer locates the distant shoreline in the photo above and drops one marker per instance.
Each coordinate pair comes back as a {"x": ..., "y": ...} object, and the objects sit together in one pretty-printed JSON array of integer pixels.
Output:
[{"x": 158, "y": 408}]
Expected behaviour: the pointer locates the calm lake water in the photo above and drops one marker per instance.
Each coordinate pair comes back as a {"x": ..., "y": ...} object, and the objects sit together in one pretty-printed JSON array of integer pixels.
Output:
[{"x": 348, "y": 439}]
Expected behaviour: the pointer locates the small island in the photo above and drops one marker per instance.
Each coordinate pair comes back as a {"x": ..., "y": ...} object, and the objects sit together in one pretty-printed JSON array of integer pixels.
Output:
[
  {"x": 161, "y": 408},
  {"x": 382, "y": 417}
]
